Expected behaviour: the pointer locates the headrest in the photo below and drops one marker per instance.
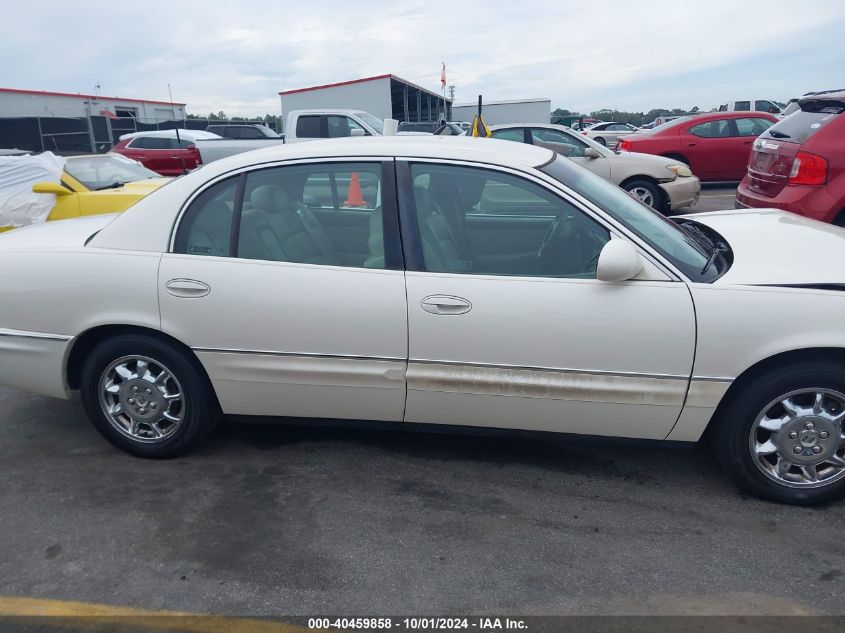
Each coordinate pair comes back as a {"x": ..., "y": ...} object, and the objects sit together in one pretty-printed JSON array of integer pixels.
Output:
[{"x": 270, "y": 198}]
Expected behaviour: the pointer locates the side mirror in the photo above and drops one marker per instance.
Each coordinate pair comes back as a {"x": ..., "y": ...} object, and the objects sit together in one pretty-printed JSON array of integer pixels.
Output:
[
  {"x": 356, "y": 131},
  {"x": 50, "y": 187},
  {"x": 591, "y": 152},
  {"x": 618, "y": 261}
]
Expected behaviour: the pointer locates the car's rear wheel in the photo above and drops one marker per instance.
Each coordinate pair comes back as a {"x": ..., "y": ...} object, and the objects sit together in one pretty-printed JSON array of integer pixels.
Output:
[
  {"x": 646, "y": 192},
  {"x": 782, "y": 438},
  {"x": 147, "y": 397},
  {"x": 600, "y": 141}
]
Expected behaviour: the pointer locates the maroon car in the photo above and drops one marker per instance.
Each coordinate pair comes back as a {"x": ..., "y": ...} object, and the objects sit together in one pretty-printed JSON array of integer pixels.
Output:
[
  {"x": 799, "y": 164},
  {"x": 160, "y": 152},
  {"x": 715, "y": 145}
]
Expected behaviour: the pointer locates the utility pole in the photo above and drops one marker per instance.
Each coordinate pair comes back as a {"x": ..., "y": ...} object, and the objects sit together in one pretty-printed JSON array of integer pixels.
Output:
[{"x": 452, "y": 92}]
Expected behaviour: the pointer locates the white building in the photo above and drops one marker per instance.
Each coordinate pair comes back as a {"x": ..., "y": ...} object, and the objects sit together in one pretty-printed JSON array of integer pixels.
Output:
[
  {"x": 31, "y": 103},
  {"x": 501, "y": 112},
  {"x": 385, "y": 96}
]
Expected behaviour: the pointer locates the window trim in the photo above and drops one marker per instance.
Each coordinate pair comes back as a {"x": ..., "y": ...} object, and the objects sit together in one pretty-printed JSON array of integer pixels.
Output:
[
  {"x": 412, "y": 240},
  {"x": 393, "y": 252}
]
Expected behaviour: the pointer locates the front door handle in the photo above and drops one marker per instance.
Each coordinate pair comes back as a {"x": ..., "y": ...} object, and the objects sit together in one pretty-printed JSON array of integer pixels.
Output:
[
  {"x": 187, "y": 288},
  {"x": 445, "y": 304}
]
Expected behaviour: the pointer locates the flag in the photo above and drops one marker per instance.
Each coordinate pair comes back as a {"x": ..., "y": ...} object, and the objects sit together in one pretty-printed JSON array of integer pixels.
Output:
[
  {"x": 479, "y": 127},
  {"x": 443, "y": 77}
]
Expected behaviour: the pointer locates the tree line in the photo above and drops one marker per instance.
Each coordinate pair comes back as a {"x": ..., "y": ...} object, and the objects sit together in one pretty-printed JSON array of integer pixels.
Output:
[{"x": 621, "y": 116}]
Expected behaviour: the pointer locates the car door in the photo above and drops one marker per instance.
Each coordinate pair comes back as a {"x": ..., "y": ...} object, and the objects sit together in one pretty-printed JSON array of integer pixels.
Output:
[
  {"x": 283, "y": 324},
  {"x": 711, "y": 148},
  {"x": 531, "y": 342},
  {"x": 572, "y": 147},
  {"x": 747, "y": 131}
]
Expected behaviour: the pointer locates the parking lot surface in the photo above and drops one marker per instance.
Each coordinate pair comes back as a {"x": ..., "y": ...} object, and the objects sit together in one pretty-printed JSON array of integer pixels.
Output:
[
  {"x": 304, "y": 520},
  {"x": 714, "y": 197}
]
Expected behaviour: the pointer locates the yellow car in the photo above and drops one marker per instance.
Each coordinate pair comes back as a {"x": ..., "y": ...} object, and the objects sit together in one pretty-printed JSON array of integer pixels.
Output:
[{"x": 96, "y": 184}]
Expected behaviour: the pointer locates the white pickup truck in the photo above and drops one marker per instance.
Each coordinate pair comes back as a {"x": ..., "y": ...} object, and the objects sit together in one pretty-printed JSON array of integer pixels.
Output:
[
  {"x": 751, "y": 105},
  {"x": 301, "y": 125}
]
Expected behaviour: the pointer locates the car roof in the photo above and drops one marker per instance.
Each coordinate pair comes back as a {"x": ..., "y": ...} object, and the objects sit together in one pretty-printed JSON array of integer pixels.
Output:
[
  {"x": 188, "y": 135},
  {"x": 824, "y": 95},
  {"x": 482, "y": 150}
]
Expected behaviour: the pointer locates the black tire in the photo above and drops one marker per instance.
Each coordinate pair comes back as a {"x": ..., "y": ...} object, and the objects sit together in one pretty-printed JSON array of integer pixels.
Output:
[
  {"x": 677, "y": 157},
  {"x": 600, "y": 141},
  {"x": 731, "y": 434},
  {"x": 839, "y": 220},
  {"x": 658, "y": 203},
  {"x": 198, "y": 405}
]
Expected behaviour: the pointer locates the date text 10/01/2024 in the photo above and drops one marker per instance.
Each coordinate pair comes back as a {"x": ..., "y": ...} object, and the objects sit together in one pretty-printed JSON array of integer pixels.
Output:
[{"x": 418, "y": 623}]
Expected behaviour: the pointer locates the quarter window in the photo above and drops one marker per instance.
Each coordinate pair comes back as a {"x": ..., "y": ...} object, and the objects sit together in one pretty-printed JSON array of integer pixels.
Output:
[
  {"x": 206, "y": 227},
  {"x": 480, "y": 221}
]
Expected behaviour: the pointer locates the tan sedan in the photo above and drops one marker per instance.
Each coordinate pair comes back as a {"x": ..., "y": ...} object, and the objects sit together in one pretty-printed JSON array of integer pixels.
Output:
[{"x": 663, "y": 184}]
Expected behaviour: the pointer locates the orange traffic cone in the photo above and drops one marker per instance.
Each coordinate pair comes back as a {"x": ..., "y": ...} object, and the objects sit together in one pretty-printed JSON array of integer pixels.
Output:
[{"x": 354, "y": 198}]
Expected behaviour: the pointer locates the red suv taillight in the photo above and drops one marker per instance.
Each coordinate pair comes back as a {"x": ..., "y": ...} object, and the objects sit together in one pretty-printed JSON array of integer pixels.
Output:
[
  {"x": 808, "y": 169},
  {"x": 625, "y": 145},
  {"x": 195, "y": 153}
]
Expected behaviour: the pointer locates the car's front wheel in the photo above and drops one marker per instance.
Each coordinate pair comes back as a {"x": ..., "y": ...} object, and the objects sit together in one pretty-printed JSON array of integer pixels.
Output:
[
  {"x": 147, "y": 397},
  {"x": 646, "y": 192},
  {"x": 782, "y": 438}
]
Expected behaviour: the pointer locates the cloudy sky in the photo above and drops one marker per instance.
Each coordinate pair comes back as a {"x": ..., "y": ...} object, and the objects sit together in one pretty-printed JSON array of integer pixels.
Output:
[{"x": 237, "y": 56}]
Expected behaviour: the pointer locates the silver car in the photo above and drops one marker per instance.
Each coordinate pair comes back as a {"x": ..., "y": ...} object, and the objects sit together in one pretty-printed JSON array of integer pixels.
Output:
[
  {"x": 608, "y": 133},
  {"x": 661, "y": 183}
]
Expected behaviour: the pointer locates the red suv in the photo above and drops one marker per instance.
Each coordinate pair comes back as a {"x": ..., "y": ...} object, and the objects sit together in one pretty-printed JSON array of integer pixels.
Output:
[
  {"x": 715, "y": 145},
  {"x": 161, "y": 152},
  {"x": 799, "y": 164}
]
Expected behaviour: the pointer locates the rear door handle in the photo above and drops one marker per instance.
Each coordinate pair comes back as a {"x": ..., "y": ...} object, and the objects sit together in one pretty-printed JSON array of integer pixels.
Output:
[
  {"x": 187, "y": 288},
  {"x": 445, "y": 304}
]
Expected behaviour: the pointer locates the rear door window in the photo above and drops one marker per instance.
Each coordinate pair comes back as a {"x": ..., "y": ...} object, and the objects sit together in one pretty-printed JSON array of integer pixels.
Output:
[
  {"x": 308, "y": 127},
  {"x": 510, "y": 134},
  {"x": 560, "y": 142},
  {"x": 720, "y": 128},
  {"x": 742, "y": 106}
]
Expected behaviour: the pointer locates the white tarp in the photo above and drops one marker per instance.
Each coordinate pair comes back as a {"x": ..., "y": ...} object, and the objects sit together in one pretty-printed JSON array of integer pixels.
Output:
[{"x": 19, "y": 206}]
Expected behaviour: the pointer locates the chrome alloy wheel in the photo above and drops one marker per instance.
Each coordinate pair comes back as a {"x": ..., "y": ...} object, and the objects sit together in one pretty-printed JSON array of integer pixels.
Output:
[
  {"x": 798, "y": 440},
  {"x": 142, "y": 399},
  {"x": 643, "y": 195}
]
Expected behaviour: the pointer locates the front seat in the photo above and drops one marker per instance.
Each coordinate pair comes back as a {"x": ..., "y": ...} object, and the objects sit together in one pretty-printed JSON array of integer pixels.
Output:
[
  {"x": 302, "y": 237},
  {"x": 440, "y": 250}
]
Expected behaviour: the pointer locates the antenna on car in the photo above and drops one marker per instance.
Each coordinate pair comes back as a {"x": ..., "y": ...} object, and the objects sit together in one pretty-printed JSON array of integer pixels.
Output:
[{"x": 178, "y": 140}]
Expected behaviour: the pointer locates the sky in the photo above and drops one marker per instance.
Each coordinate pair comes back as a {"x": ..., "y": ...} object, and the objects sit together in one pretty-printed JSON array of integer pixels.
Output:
[{"x": 237, "y": 56}]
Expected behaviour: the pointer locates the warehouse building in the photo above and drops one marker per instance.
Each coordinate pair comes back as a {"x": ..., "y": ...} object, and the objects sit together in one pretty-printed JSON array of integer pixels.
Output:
[
  {"x": 503, "y": 112},
  {"x": 39, "y": 103},
  {"x": 385, "y": 96}
]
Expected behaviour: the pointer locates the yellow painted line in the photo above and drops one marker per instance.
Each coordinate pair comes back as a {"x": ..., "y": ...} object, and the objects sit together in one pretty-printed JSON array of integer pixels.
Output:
[{"x": 81, "y": 615}]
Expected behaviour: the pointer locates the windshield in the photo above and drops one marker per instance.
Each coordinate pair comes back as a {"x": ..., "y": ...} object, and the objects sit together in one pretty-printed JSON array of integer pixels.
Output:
[
  {"x": 101, "y": 172},
  {"x": 373, "y": 121},
  {"x": 674, "y": 243}
]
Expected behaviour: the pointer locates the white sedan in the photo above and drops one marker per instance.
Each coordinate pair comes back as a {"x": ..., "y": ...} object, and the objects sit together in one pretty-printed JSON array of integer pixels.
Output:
[{"x": 456, "y": 281}]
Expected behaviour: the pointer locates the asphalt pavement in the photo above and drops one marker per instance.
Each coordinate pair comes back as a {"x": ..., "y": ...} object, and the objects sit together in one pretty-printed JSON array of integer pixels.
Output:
[{"x": 289, "y": 520}]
